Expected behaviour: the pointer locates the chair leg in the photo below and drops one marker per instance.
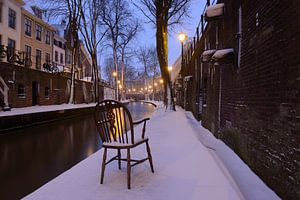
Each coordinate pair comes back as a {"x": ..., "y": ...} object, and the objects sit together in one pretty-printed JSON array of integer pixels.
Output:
[
  {"x": 103, "y": 165},
  {"x": 119, "y": 158},
  {"x": 128, "y": 168},
  {"x": 149, "y": 156}
]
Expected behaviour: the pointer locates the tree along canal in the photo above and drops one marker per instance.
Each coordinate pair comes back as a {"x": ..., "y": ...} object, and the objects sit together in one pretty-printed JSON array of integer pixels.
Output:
[{"x": 31, "y": 157}]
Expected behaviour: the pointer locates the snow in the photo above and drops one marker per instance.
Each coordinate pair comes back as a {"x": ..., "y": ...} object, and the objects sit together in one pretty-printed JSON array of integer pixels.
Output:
[
  {"x": 222, "y": 53},
  {"x": 87, "y": 79},
  {"x": 206, "y": 55},
  {"x": 187, "y": 78},
  {"x": 185, "y": 168},
  {"x": 215, "y": 10},
  {"x": 38, "y": 109}
]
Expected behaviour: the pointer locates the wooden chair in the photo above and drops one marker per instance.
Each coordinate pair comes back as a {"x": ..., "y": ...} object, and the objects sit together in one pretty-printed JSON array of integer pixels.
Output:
[{"x": 116, "y": 129}]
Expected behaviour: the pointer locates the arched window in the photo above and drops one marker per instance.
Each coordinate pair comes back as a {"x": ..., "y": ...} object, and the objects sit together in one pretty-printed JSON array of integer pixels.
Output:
[
  {"x": 21, "y": 91},
  {"x": 47, "y": 93}
]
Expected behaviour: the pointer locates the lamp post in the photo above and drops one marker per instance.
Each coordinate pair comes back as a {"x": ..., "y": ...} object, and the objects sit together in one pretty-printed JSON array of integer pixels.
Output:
[
  {"x": 116, "y": 85},
  {"x": 182, "y": 37}
]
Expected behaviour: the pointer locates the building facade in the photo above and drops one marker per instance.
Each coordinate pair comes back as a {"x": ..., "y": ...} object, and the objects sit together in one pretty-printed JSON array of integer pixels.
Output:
[
  {"x": 59, "y": 48},
  {"x": 240, "y": 77},
  {"x": 10, "y": 27},
  {"x": 36, "y": 38}
]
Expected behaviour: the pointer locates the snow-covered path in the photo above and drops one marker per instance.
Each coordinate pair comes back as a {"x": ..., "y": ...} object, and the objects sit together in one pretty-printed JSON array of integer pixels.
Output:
[{"x": 184, "y": 170}]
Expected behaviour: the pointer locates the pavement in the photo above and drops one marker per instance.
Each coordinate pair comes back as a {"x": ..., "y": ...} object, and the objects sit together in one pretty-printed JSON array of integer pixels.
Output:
[{"x": 184, "y": 169}]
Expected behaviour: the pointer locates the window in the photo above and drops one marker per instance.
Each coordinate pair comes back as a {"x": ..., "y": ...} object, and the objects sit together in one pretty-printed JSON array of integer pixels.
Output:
[
  {"x": 69, "y": 57},
  {"x": 28, "y": 52},
  {"x": 11, "y": 46},
  {"x": 21, "y": 91},
  {"x": 55, "y": 42},
  {"x": 47, "y": 37},
  {"x": 1, "y": 12},
  {"x": 38, "y": 58},
  {"x": 56, "y": 56},
  {"x": 12, "y": 18},
  {"x": 28, "y": 56},
  {"x": 0, "y": 39},
  {"x": 61, "y": 58},
  {"x": 47, "y": 57},
  {"x": 28, "y": 25},
  {"x": 47, "y": 92},
  {"x": 38, "y": 33}
]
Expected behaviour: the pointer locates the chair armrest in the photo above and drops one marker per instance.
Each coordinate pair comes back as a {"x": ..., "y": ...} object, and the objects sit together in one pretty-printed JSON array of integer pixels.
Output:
[
  {"x": 144, "y": 127},
  {"x": 140, "y": 121}
]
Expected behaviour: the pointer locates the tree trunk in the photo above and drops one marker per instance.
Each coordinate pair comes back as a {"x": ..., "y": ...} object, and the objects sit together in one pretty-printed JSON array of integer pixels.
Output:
[
  {"x": 116, "y": 68},
  {"x": 71, "y": 98},
  {"x": 162, "y": 54}
]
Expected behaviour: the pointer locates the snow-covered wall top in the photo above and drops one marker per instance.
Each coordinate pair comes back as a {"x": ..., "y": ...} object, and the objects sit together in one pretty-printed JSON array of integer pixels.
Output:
[{"x": 215, "y": 10}]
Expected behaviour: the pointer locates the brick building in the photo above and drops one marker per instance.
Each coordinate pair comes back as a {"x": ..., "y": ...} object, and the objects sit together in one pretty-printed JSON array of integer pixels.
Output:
[
  {"x": 29, "y": 87},
  {"x": 241, "y": 75}
]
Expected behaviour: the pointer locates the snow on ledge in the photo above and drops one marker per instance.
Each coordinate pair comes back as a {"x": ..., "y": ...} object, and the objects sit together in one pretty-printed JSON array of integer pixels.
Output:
[
  {"x": 206, "y": 55},
  {"x": 222, "y": 53},
  {"x": 215, "y": 10},
  {"x": 187, "y": 78}
]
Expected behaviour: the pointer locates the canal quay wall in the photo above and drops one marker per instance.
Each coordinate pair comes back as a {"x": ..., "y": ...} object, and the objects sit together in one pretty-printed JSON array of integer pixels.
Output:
[
  {"x": 17, "y": 121},
  {"x": 29, "y": 87},
  {"x": 250, "y": 98}
]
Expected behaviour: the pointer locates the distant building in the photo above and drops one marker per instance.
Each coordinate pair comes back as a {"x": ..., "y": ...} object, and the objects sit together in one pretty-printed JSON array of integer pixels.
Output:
[
  {"x": 59, "y": 47},
  {"x": 10, "y": 25},
  {"x": 84, "y": 64}
]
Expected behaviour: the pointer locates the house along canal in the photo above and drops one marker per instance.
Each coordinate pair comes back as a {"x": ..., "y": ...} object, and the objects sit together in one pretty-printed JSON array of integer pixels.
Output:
[{"x": 30, "y": 157}]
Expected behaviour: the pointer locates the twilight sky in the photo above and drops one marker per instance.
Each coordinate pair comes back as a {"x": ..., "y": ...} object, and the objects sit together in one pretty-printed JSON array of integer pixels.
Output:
[{"x": 147, "y": 37}]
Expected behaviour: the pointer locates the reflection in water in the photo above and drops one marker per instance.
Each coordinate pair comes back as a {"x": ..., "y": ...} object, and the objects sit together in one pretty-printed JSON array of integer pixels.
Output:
[{"x": 33, "y": 156}]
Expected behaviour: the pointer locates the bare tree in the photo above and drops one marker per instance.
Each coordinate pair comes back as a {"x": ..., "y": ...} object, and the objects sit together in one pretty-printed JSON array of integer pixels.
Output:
[
  {"x": 164, "y": 14},
  {"x": 127, "y": 35},
  {"x": 90, "y": 11},
  {"x": 109, "y": 69},
  {"x": 153, "y": 66},
  {"x": 115, "y": 15},
  {"x": 69, "y": 9}
]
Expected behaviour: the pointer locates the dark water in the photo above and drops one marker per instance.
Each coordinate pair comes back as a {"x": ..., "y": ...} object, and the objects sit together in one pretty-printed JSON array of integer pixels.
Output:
[{"x": 33, "y": 156}]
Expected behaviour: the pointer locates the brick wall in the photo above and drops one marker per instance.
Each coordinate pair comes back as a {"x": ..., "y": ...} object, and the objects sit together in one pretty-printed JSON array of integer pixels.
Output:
[
  {"x": 255, "y": 107},
  {"x": 57, "y": 84}
]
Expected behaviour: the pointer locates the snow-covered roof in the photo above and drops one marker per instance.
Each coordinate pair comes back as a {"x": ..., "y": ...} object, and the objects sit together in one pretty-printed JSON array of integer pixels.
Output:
[
  {"x": 222, "y": 53},
  {"x": 206, "y": 55},
  {"x": 215, "y": 10}
]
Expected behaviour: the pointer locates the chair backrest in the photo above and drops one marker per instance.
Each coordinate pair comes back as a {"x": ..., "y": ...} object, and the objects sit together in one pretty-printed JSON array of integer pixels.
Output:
[{"x": 114, "y": 122}]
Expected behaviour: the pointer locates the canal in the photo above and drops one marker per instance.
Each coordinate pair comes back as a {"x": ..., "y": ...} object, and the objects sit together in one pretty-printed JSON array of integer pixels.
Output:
[{"x": 31, "y": 157}]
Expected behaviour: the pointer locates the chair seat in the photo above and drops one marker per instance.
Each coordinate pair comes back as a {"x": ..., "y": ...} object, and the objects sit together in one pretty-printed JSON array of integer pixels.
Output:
[{"x": 119, "y": 145}]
